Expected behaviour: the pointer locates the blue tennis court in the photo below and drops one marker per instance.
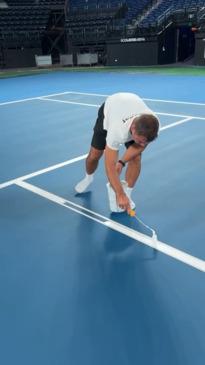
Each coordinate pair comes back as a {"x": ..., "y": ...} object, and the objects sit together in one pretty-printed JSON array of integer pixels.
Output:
[{"x": 78, "y": 284}]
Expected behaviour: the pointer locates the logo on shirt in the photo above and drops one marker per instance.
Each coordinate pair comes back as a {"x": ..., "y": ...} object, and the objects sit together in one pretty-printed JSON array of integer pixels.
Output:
[{"x": 126, "y": 119}]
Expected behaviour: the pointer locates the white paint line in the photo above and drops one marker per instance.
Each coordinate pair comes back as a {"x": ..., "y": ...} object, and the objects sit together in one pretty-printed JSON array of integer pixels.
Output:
[
  {"x": 180, "y": 115},
  {"x": 160, "y": 246},
  {"x": 76, "y": 159},
  {"x": 174, "y": 124},
  {"x": 62, "y": 164},
  {"x": 89, "y": 94},
  {"x": 29, "y": 99},
  {"x": 43, "y": 171},
  {"x": 69, "y": 102},
  {"x": 103, "y": 95},
  {"x": 137, "y": 236},
  {"x": 174, "y": 102},
  {"x": 98, "y": 105},
  {"x": 61, "y": 201},
  {"x": 146, "y": 99}
]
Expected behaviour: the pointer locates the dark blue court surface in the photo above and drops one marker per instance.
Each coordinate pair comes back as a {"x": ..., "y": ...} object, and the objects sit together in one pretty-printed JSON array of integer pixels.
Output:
[{"x": 82, "y": 286}]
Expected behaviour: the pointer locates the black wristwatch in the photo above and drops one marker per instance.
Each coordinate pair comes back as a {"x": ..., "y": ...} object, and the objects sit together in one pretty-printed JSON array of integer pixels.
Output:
[{"x": 122, "y": 163}]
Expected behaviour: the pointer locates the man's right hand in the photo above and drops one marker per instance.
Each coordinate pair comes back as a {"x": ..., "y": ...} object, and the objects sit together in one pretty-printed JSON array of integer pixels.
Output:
[{"x": 123, "y": 201}]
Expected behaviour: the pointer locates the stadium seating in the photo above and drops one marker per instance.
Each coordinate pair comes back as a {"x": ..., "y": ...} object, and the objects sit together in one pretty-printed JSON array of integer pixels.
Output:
[
  {"x": 103, "y": 17},
  {"x": 25, "y": 19},
  {"x": 87, "y": 19},
  {"x": 169, "y": 5}
]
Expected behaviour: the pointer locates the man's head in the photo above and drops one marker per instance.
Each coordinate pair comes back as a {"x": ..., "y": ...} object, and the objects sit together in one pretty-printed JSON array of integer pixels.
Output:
[{"x": 144, "y": 129}]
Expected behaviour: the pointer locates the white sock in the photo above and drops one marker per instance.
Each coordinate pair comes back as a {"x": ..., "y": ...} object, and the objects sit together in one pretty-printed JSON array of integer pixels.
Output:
[
  {"x": 83, "y": 184},
  {"x": 129, "y": 192}
]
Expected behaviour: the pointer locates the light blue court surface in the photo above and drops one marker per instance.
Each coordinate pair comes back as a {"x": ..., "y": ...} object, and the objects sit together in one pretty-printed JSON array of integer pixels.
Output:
[{"x": 81, "y": 286}]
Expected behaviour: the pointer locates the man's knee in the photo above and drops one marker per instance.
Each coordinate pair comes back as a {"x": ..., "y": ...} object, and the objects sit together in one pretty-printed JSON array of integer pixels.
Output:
[
  {"x": 136, "y": 160},
  {"x": 94, "y": 154}
]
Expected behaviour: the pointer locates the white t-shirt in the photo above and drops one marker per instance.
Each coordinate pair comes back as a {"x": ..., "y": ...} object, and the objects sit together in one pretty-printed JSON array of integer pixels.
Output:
[{"x": 119, "y": 111}]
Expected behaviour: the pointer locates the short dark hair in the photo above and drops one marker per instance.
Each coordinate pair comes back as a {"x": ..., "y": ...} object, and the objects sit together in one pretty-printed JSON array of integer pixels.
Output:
[{"x": 147, "y": 125}]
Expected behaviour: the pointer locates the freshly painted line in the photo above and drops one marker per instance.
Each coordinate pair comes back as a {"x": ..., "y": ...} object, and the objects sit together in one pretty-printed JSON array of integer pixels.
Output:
[
  {"x": 69, "y": 102},
  {"x": 174, "y": 124},
  {"x": 43, "y": 171},
  {"x": 159, "y": 246},
  {"x": 137, "y": 236}
]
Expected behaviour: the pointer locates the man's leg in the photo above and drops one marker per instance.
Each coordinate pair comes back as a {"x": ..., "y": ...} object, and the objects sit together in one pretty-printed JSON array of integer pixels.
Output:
[
  {"x": 133, "y": 171},
  {"x": 91, "y": 164},
  {"x": 96, "y": 151},
  {"x": 92, "y": 160},
  {"x": 131, "y": 176}
]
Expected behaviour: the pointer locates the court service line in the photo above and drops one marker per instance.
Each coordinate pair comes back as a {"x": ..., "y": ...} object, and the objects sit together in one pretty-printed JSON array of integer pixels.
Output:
[
  {"x": 180, "y": 115},
  {"x": 43, "y": 171},
  {"x": 69, "y": 102},
  {"x": 146, "y": 99},
  {"x": 174, "y": 124},
  {"x": 29, "y": 99},
  {"x": 98, "y": 105},
  {"x": 68, "y": 162},
  {"x": 94, "y": 94},
  {"x": 137, "y": 236}
]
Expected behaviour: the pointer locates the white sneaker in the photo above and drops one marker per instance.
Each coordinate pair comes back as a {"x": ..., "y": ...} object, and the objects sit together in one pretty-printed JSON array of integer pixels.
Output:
[
  {"x": 83, "y": 184},
  {"x": 112, "y": 198}
]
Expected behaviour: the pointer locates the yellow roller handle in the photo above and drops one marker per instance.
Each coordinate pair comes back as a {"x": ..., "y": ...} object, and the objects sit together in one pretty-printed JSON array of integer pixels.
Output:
[{"x": 132, "y": 213}]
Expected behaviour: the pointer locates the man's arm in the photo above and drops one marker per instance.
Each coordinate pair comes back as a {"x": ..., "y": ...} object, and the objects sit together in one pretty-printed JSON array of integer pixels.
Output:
[
  {"x": 111, "y": 157},
  {"x": 133, "y": 151}
]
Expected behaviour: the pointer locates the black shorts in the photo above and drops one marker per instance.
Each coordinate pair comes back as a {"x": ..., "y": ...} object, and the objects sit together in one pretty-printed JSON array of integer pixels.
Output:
[{"x": 100, "y": 134}]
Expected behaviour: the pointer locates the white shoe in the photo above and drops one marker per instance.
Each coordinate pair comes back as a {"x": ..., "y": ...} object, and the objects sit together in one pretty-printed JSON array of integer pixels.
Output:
[
  {"x": 112, "y": 198},
  {"x": 83, "y": 184}
]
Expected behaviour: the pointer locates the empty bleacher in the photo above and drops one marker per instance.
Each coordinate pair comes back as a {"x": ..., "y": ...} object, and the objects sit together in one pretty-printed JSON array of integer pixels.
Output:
[
  {"x": 166, "y": 7},
  {"x": 25, "y": 20},
  {"x": 94, "y": 19}
]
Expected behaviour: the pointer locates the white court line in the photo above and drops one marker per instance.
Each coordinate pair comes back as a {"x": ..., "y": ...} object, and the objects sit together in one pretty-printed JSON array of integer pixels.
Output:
[
  {"x": 34, "y": 98},
  {"x": 175, "y": 102},
  {"x": 93, "y": 94},
  {"x": 137, "y": 236},
  {"x": 62, "y": 164},
  {"x": 180, "y": 115},
  {"x": 98, "y": 105},
  {"x": 174, "y": 124},
  {"x": 69, "y": 102},
  {"x": 43, "y": 171},
  {"x": 146, "y": 99}
]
